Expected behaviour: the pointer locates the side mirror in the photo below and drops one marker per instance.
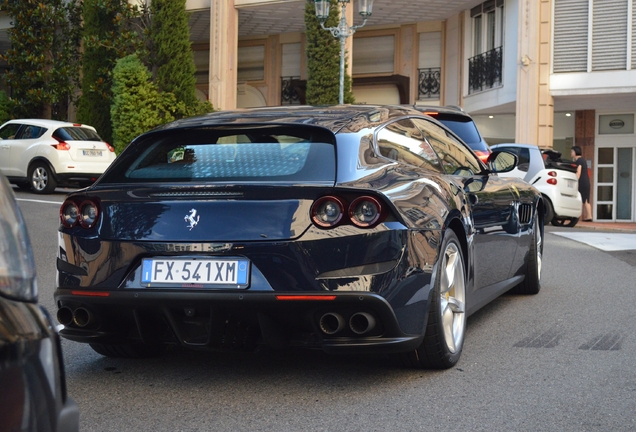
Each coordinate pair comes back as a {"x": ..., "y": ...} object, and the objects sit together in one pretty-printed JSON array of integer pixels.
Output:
[{"x": 501, "y": 161}]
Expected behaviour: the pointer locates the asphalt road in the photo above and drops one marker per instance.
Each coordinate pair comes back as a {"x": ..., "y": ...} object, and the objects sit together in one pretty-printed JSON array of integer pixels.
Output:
[{"x": 562, "y": 360}]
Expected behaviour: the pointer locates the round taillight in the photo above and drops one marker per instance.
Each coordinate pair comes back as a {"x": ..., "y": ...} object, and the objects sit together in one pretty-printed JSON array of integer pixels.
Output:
[
  {"x": 552, "y": 173},
  {"x": 365, "y": 211},
  {"x": 69, "y": 214},
  {"x": 551, "y": 181},
  {"x": 89, "y": 214},
  {"x": 327, "y": 212}
]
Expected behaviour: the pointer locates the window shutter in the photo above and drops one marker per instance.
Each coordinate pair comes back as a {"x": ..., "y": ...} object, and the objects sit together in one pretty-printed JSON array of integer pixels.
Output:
[
  {"x": 430, "y": 55},
  {"x": 291, "y": 60},
  {"x": 634, "y": 36},
  {"x": 609, "y": 40},
  {"x": 570, "y": 35},
  {"x": 373, "y": 55}
]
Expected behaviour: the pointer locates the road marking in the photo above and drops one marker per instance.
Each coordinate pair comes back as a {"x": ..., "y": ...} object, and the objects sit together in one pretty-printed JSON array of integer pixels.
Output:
[
  {"x": 607, "y": 242},
  {"x": 39, "y": 201}
]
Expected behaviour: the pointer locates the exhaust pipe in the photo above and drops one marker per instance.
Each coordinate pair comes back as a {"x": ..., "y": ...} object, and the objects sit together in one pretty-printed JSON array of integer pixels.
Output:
[
  {"x": 361, "y": 323},
  {"x": 65, "y": 316},
  {"x": 82, "y": 317},
  {"x": 331, "y": 323}
]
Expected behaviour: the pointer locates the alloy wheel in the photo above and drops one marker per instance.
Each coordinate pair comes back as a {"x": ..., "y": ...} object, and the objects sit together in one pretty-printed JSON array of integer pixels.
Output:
[
  {"x": 40, "y": 178},
  {"x": 453, "y": 298}
]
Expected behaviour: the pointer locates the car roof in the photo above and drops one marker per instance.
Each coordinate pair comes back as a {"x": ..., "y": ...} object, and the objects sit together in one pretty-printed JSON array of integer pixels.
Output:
[
  {"x": 335, "y": 118},
  {"x": 47, "y": 123}
]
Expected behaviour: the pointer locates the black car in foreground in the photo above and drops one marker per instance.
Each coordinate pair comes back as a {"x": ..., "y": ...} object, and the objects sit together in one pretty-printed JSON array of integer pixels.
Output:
[
  {"x": 348, "y": 229},
  {"x": 32, "y": 384}
]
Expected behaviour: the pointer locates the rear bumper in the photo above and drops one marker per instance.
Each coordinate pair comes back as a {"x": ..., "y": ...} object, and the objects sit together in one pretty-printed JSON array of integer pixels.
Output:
[
  {"x": 236, "y": 320},
  {"x": 567, "y": 206}
]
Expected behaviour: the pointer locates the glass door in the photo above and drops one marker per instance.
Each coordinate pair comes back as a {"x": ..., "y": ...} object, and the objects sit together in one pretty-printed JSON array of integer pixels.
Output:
[
  {"x": 604, "y": 199},
  {"x": 615, "y": 185},
  {"x": 625, "y": 184}
]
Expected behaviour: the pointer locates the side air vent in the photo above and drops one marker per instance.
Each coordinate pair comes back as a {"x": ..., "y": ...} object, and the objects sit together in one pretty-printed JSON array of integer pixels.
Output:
[{"x": 525, "y": 213}]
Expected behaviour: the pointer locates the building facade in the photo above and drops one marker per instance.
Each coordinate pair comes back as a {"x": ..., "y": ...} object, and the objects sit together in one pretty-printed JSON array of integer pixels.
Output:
[{"x": 554, "y": 73}]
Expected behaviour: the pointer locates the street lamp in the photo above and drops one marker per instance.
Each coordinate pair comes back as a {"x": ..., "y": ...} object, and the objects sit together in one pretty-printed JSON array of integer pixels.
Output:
[{"x": 343, "y": 31}]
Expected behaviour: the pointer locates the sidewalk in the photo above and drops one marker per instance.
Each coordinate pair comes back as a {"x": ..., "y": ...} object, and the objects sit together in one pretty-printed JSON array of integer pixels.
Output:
[{"x": 611, "y": 226}]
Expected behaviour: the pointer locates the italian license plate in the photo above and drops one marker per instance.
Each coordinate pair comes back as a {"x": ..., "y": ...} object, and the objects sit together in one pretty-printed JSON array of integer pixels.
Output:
[
  {"x": 196, "y": 272},
  {"x": 570, "y": 183},
  {"x": 91, "y": 153}
]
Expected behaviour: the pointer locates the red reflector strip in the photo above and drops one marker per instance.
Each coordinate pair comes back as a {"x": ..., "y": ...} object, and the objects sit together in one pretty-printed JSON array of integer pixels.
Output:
[
  {"x": 305, "y": 297},
  {"x": 91, "y": 293}
]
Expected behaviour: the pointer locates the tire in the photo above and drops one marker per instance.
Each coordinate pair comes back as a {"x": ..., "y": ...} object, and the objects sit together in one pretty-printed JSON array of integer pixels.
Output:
[
  {"x": 531, "y": 283},
  {"x": 565, "y": 222},
  {"x": 129, "y": 350},
  {"x": 41, "y": 178},
  {"x": 446, "y": 327},
  {"x": 548, "y": 215}
]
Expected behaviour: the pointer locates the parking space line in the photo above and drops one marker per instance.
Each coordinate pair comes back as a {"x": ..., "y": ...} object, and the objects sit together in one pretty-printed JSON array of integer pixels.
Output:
[{"x": 39, "y": 201}]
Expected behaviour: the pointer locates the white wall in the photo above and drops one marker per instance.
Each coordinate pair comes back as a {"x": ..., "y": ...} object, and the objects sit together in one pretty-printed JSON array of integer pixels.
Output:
[
  {"x": 582, "y": 83},
  {"x": 564, "y": 125},
  {"x": 500, "y": 128}
]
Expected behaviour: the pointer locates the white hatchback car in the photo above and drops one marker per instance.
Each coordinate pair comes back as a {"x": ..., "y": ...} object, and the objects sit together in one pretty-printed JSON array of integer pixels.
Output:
[
  {"x": 42, "y": 154},
  {"x": 555, "y": 180}
]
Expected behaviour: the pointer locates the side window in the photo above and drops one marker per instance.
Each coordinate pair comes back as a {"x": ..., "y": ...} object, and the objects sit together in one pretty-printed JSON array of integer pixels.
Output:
[
  {"x": 524, "y": 159},
  {"x": 9, "y": 131},
  {"x": 456, "y": 158},
  {"x": 32, "y": 132},
  {"x": 402, "y": 141},
  {"x": 523, "y": 155}
]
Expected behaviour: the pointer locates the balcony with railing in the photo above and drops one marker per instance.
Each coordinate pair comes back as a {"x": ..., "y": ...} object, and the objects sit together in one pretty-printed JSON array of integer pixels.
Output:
[
  {"x": 429, "y": 83},
  {"x": 484, "y": 71}
]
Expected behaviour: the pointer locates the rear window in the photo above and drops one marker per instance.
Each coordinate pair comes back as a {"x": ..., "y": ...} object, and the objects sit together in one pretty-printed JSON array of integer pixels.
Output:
[
  {"x": 265, "y": 154},
  {"x": 74, "y": 133},
  {"x": 463, "y": 127}
]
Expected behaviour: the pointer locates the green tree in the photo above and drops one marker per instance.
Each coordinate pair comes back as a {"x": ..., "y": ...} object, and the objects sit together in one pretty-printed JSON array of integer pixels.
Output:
[
  {"x": 172, "y": 56},
  {"x": 138, "y": 105},
  {"x": 174, "y": 59},
  {"x": 323, "y": 59},
  {"x": 4, "y": 107},
  {"x": 107, "y": 38},
  {"x": 44, "y": 56}
]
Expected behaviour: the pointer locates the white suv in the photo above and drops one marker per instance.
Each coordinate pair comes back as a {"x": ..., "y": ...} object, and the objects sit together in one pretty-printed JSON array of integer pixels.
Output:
[
  {"x": 42, "y": 154},
  {"x": 552, "y": 177}
]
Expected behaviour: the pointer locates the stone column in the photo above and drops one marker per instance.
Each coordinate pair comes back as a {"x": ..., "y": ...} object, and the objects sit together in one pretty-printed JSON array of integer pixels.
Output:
[
  {"x": 546, "y": 102},
  {"x": 535, "y": 106},
  {"x": 223, "y": 54}
]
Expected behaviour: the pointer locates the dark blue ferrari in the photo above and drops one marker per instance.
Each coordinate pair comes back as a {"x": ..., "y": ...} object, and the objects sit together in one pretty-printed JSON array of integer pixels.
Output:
[{"x": 349, "y": 229}]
